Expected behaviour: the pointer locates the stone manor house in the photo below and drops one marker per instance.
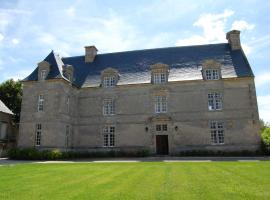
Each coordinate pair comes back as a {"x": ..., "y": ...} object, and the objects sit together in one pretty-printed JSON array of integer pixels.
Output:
[{"x": 165, "y": 100}]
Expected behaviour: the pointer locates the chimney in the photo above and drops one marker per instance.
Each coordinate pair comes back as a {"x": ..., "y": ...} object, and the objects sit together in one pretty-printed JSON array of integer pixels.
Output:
[
  {"x": 90, "y": 53},
  {"x": 233, "y": 38}
]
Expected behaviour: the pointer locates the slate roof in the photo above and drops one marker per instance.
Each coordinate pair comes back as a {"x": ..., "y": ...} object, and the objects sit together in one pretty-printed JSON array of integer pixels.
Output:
[
  {"x": 185, "y": 63},
  {"x": 4, "y": 108}
]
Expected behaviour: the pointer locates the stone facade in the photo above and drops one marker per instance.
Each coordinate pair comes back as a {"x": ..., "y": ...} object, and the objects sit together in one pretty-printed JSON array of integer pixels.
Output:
[{"x": 73, "y": 117}]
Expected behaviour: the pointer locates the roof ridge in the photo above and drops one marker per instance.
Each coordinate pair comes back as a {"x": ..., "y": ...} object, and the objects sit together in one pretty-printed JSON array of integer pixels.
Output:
[{"x": 161, "y": 48}]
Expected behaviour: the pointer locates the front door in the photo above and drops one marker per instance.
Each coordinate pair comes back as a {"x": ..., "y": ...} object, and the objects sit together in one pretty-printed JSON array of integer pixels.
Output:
[{"x": 162, "y": 146}]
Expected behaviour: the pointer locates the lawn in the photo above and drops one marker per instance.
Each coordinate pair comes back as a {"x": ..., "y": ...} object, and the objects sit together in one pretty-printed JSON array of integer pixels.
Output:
[{"x": 144, "y": 180}]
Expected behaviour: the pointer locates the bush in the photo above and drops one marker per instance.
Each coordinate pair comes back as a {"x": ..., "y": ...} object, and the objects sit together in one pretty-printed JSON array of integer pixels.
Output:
[
  {"x": 218, "y": 153},
  {"x": 56, "y": 154},
  {"x": 266, "y": 141}
]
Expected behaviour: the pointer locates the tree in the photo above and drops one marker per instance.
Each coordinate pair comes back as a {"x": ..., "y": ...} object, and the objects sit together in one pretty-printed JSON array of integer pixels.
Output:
[
  {"x": 266, "y": 140},
  {"x": 263, "y": 125},
  {"x": 11, "y": 96}
]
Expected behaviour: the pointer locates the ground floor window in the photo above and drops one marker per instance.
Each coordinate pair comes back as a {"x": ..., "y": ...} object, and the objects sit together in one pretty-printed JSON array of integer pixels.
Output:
[
  {"x": 67, "y": 135},
  {"x": 3, "y": 130},
  {"x": 38, "y": 134},
  {"x": 217, "y": 132},
  {"x": 161, "y": 127},
  {"x": 109, "y": 136}
]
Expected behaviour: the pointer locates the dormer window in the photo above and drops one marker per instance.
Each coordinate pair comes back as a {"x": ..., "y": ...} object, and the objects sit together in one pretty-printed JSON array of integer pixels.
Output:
[
  {"x": 43, "y": 70},
  {"x": 211, "y": 70},
  {"x": 160, "y": 78},
  {"x": 212, "y": 74},
  {"x": 43, "y": 74},
  {"x": 109, "y": 81},
  {"x": 109, "y": 77},
  {"x": 159, "y": 73},
  {"x": 68, "y": 72}
]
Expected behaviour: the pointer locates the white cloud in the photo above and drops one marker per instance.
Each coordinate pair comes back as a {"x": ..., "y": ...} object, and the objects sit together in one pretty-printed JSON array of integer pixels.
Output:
[
  {"x": 111, "y": 34},
  {"x": 213, "y": 26},
  {"x": 47, "y": 38},
  {"x": 19, "y": 75},
  {"x": 242, "y": 25},
  {"x": 264, "y": 107},
  {"x": 15, "y": 41},
  {"x": 262, "y": 79},
  {"x": 71, "y": 12}
]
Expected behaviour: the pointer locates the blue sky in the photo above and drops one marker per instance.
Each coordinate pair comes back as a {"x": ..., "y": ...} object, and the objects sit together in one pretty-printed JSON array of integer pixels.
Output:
[{"x": 30, "y": 29}]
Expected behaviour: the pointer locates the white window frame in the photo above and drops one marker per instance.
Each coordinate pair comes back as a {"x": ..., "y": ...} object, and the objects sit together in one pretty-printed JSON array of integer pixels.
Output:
[
  {"x": 159, "y": 77},
  {"x": 108, "y": 107},
  {"x": 217, "y": 132},
  {"x": 161, "y": 104},
  {"x": 38, "y": 134},
  {"x": 3, "y": 130},
  {"x": 161, "y": 127},
  {"x": 109, "y": 136},
  {"x": 212, "y": 74},
  {"x": 214, "y": 101},
  {"x": 109, "y": 81},
  {"x": 43, "y": 75},
  {"x": 40, "y": 102}
]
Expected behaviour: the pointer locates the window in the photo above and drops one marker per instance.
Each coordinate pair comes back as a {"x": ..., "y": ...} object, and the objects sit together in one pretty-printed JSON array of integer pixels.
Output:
[
  {"x": 214, "y": 101},
  {"x": 108, "y": 107},
  {"x": 217, "y": 132},
  {"x": 109, "y": 81},
  {"x": 43, "y": 74},
  {"x": 160, "y": 78},
  {"x": 212, "y": 74},
  {"x": 3, "y": 130},
  {"x": 67, "y": 135},
  {"x": 67, "y": 102},
  {"x": 40, "y": 102},
  {"x": 161, "y": 127},
  {"x": 38, "y": 135},
  {"x": 68, "y": 76},
  {"x": 109, "y": 138},
  {"x": 161, "y": 104}
]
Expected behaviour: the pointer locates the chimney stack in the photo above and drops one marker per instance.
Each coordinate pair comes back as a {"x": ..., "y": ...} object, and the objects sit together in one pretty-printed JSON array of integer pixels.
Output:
[
  {"x": 90, "y": 53},
  {"x": 233, "y": 38}
]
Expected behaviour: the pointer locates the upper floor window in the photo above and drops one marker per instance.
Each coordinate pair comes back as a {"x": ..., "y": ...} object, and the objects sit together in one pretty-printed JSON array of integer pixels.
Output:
[
  {"x": 38, "y": 134},
  {"x": 108, "y": 107},
  {"x": 109, "y": 136},
  {"x": 214, "y": 101},
  {"x": 41, "y": 102},
  {"x": 109, "y": 81},
  {"x": 161, "y": 104},
  {"x": 68, "y": 102},
  {"x": 43, "y": 74},
  {"x": 217, "y": 132},
  {"x": 159, "y": 73},
  {"x": 212, "y": 74},
  {"x": 160, "y": 78}
]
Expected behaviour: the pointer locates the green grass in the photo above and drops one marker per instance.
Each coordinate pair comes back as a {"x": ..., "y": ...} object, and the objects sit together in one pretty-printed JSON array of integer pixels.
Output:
[{"x": 145, "y": 180}]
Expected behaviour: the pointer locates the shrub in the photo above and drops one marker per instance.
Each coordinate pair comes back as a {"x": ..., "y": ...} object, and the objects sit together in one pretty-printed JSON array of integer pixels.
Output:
[
  {"x": 56, "y": 154},
  {"x": 266, "y": 141}
]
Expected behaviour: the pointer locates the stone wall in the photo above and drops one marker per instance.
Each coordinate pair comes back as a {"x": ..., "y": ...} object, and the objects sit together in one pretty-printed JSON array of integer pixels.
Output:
[{"x": 135, "y": 119}]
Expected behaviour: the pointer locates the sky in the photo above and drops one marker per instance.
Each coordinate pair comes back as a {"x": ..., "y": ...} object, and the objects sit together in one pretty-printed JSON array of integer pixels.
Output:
[{"x": 30, "y": 29}]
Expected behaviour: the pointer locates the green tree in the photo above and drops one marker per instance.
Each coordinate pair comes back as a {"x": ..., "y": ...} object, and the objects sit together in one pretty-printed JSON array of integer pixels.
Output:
[
  {"x": 266, "y": 140},
  {"x": 11, "y": 95}
]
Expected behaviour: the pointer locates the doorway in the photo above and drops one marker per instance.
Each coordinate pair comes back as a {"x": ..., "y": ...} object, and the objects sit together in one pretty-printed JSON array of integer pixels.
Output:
[{"x": 162, "y": 146}]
